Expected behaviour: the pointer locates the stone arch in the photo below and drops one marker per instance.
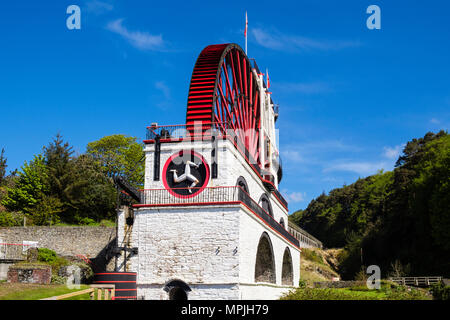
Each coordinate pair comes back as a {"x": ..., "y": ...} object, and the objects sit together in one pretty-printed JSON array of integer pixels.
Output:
[
  {"x": 264, "y": 202},
  {"x": 177, "y": 289},
  {"x": 241, "y": 182},
  {"x": 265, "y": 260},
  {"x": 287, "y": 272},
  {"x": 282, "y": 222}
]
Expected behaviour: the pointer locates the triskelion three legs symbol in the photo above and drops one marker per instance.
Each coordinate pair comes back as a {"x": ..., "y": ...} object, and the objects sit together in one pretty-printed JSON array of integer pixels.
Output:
[{"x": 186, "y": 175}]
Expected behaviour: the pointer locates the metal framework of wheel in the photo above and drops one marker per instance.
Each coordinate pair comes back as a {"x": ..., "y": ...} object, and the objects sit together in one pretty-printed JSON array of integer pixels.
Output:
[{"x": 224, "y": 91}]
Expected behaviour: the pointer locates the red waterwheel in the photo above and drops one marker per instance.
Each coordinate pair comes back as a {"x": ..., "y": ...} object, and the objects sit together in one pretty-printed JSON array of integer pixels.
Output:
[{"x": 224, "y": 90}]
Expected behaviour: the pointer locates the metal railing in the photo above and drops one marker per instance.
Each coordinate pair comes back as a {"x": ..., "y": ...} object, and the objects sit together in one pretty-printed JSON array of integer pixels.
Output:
[
  {"x": 13, "y": 251},
  {"x": 186, "y": 131},
  {"x": 212, "y": 196}
]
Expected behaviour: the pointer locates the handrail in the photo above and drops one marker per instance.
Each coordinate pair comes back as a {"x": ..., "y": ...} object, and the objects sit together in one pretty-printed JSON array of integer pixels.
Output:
[{"x": 103, "y": 290}]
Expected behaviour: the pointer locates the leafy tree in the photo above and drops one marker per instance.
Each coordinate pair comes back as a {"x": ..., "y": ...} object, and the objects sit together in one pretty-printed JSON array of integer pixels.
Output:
[
  {"x": 400, "y": 217},
  {"x": 91, "y": 194},
  {"x": 58, "y": 156},
  {"x": 83, "y": 192},
  {"x": 119, "y": 155},
  {"x": 30, "y": 187},
  {"x": 2, "y": 166},
  {"x": 46, "y": 211},
  {"x": 59, "y": 187}
]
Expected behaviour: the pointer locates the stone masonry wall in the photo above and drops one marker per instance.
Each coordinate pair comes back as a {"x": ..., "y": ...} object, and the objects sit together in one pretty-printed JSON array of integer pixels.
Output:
[{"x": 93, "y": 242}]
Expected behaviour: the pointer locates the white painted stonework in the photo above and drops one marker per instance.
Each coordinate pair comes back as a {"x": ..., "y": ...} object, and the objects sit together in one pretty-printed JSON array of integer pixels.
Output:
[{"x": 210, "y": 247}]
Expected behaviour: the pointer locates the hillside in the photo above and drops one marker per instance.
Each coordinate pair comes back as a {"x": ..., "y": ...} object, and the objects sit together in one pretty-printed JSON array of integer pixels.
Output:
[
  {"x": 399, "y": 220},
  {"x": 318, "y": 265}
]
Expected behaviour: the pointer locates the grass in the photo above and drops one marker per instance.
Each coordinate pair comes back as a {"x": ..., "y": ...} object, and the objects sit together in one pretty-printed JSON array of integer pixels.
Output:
[
  {"x": 29, "y": 291},
  {"x": 103, "y": 223},
  {"x": 386, "y": 292},
  {"x": 311, "y": 255}
]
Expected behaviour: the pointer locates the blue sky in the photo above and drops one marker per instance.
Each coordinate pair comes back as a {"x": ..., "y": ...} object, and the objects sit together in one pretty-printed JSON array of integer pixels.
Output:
[{"x": 349, "y": 97}]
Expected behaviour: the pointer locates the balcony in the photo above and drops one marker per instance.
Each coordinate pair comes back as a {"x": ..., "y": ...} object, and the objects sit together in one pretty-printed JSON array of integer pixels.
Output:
[
  {"x": 190, "y": 132},
  {"x": 212, "y": 196}
]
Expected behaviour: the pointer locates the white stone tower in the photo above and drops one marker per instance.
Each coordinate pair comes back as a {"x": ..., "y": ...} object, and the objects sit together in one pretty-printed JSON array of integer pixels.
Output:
[{"x": 211, "y": 223}]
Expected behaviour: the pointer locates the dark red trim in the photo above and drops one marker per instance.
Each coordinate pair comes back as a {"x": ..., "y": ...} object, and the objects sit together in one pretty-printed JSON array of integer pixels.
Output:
[
  {"x": 270, "y": 226},
  {"x": 212, "y": 203}
]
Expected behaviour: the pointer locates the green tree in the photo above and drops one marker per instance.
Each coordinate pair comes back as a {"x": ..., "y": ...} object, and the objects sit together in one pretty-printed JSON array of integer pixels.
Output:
[
  {"x": 400, "y": 217},
  {"x": 119, "y": 155},
  {"x": 31, "y": 185},
  {"x": 91, "y": 194},
  {"x": 58, "y": 156},
  {"x": 2, "y": 166}
]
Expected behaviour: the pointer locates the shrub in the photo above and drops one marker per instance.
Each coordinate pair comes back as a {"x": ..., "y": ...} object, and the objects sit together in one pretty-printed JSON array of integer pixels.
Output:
[
  {"x": 51, "y": 258},
  {"x": 311, "y": 255},
  {"x": 405, "y": 293},
  {"x": 9, "y": 219},
  {"x": 302, "y": 283},
  {"x": 440, "y": 291},
  {"x": 56, "y": 279},
  {"x": 322, "y": 294},
  {"x": 47, "y": 255},
  {"x": 86, "y": 221}
]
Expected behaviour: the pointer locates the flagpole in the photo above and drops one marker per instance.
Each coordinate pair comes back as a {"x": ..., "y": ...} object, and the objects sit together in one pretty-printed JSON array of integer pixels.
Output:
[{"x": 245, "y": 33}]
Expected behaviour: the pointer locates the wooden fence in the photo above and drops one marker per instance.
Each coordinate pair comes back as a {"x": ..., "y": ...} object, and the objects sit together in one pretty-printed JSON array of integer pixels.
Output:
[
  {"x": 105, "y": 291},
  {"x": 416, "y": 281}
]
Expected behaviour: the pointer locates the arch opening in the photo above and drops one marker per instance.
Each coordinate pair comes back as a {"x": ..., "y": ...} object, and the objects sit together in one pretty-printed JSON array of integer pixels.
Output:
[
  {"x": 177, "y": 290},
  {"x": 177, "y": 293},
  {"x": 264, "y": 202},
  {"x": 241, "y": 182},
  {"x": 287, "y": 272},
  {"x": 265, "y": 261}
]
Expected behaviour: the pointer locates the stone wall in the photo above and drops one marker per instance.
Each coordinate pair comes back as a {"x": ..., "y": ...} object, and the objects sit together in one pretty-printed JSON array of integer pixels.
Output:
[
  {"x": 94, "y": 243},
  {"x": 210, "y": 248}
]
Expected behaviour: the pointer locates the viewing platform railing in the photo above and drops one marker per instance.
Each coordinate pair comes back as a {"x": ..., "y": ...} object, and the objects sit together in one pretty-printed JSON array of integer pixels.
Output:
[
  {"x": 194, "y": 131},
  {"x": 212, "y": 196}
]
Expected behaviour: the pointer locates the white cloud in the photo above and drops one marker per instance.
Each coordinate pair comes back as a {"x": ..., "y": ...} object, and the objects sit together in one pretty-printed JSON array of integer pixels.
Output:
[
  {"x": 294, "y": 196},
  {"x": 277, "y": 41},
  {"x": 306, "y": 88},
  {"x": 98, "y": 7},
  {"x": 140, "y": 40},
  {"x": 435, "y": 121},
  {"x": 292, "y": 155},
  {"x": 393, "y": 153},
  {"x": 161, "y": 85}
]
